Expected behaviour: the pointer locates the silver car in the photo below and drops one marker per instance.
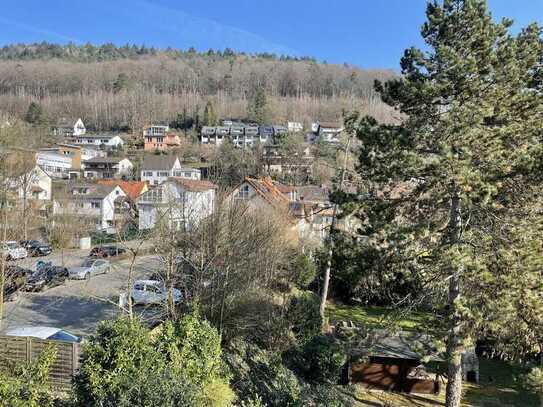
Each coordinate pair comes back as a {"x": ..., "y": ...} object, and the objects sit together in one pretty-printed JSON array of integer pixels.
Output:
[{"x": 90, "y": 267}]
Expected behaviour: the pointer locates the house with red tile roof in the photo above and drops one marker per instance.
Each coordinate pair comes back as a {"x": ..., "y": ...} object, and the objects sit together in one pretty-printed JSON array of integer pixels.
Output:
[{"x": 132, "y": 189}]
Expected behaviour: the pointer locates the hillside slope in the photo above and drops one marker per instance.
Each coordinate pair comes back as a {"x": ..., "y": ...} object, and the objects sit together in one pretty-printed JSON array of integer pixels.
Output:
[{"x": 113, "y": 87}]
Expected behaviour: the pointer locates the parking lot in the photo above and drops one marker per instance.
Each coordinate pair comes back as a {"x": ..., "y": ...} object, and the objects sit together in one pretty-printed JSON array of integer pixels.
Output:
[{"x": 77, "y": 306}]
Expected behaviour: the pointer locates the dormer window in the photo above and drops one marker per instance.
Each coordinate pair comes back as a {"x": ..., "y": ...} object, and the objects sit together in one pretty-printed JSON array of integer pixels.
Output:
[{"x": 243, "y": 192}]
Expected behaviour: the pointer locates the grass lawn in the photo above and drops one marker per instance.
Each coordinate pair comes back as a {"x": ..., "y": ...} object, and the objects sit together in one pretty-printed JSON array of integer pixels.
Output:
[
  {"x": 500, "y": 382},
  {"x": 379, "y": 317}
]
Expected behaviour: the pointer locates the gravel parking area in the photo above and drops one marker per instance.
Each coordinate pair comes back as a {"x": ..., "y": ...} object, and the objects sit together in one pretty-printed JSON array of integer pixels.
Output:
[{"x": 77, "y": 306}]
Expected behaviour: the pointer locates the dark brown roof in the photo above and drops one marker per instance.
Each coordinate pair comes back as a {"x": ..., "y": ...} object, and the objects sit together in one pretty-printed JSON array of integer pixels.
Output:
[
  {"x": 194, "y": 185},
  {"x": 104, "y": 160}
]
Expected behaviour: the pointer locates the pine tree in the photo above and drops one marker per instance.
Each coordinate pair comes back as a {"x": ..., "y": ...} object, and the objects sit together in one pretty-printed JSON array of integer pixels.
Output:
[
  {"x": 210, "y": 117},
  {"x": 258, "y": 106},
  {"x": 35, "y": 114},
  {"x": 452, "y": 189}
]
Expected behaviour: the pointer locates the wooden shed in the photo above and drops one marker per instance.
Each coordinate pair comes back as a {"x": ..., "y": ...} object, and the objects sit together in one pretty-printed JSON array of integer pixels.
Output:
[{"x": 394, "y": 362}]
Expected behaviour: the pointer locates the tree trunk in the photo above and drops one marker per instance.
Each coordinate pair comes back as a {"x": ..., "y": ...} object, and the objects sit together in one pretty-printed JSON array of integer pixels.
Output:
[
  {"x": 326, "y": 284},
  {"x": 454, "y": 339}
]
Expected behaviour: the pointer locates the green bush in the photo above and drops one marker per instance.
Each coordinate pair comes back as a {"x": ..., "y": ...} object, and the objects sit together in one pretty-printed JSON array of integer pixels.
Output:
[
  {"x": 28, "y": 385},
  {"x": 304, "y": 317},
  {"x": 324, "y": 359},
  {"x": 123, "y": 365},
  {"x": 304, "y": 271},
  {"x": 260, "y": 378}
]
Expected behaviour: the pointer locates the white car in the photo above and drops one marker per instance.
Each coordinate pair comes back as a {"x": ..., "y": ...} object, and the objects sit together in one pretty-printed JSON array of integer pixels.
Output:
[
  {"x": 90, "y": 267},
  {"x": 152, "y": 292},
  {"x": 13, "y": 251},
  {"x": 44, "y": 332}
]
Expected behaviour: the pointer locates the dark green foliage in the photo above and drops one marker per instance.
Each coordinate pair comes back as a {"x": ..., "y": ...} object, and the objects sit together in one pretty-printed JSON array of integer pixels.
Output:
[
  {"x": 324, "y": 359},
  {"x": 259, "y": 373},
  {"x": 304, "y": 271},
  {"x": 35, "y": 114},
  {"x": 368, "y": 273},
  {"x": 28, "y": 385},
  {"x": 304, "y": 317},
  {"x": 210, "y": 117},
  {"x": 120, "y": 83},
  {"x": 257, "y": 108},
  {"x": 123, "y": 365}
]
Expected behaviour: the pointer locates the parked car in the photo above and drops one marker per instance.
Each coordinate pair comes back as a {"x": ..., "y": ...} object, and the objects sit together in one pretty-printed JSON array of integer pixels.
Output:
[
  {"x": 16, "y": 278},
  {"x": 152, "y": 292},
  {"x": 13, "y": 251},
  {"x": 36, "y": 248},
  {"x": 90, "y": 267},
  {"x": 44, "y": 332},
  {"x": 46, "y": 276},
  {"x": 106, "y": 251}
]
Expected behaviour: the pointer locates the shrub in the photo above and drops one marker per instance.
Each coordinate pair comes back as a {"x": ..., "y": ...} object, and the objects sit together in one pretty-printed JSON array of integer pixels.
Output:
[
  {"x": 304, "y": 317},
  {"x": 324, "y": 359},
  {"x": 28, "y": 385},
  {"x": 123, "y": 365},
  {"x": 260, "y": 378},
  {"x": 304, "y": 271}
]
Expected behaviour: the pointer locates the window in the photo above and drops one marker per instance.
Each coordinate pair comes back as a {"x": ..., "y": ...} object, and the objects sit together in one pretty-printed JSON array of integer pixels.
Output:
[
  {"x": 188, "y": 174},
  {"x": 96, "y": 205},
  {"x": 243, "y": 192},
  {"x": 163, "y": 174},
  {"x": 147, "y": 173}
]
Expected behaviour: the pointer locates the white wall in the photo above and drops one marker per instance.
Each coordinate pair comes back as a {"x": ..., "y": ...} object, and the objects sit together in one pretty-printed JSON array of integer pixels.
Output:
[{"x": 54, "y": 163}]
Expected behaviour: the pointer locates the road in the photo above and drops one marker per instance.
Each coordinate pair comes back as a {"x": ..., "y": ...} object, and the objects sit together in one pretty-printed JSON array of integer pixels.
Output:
[{"x": 77, "y": 306}]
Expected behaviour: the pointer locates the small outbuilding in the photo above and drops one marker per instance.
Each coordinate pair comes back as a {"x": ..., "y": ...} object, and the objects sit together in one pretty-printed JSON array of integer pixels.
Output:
[{"x": 400, "y": 362}]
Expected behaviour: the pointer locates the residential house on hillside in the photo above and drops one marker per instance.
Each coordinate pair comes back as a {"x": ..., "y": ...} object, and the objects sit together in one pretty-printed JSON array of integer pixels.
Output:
[
  {"x": 325, "y": 131},
  {"x": 156, "y": 169},
  {"x": 99, "y": 204},
  {"x": 106, "y": 141},
  {"x": 181, "y": 202},
  {"x": 161, "y": 142},
  {"x": 155, "y": 130},
  {"x": 107, "y": 167},
  {"x": 295, "y": 127},
  {"x": 67, "y": 127},
  {"x": 132, "y": 189},
  {"x": 35, "y": 185},
  {"x": 56, "y": 163}
]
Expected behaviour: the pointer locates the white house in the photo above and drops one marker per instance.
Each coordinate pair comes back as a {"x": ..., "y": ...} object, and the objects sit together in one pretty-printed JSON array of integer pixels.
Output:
[
  {"x": 181, "y": 202},
  {"x": 96, "y": 202},
  {"x": 295, "y": 127},
  {"x": 107, "y": 167},
  {"x": 326, "y": 131},
  {"x": 37, "y": 185},
  {"x": 156, "y": 169},
  {"x": 107, "y": 140},
  {"x": 54, "y": 163},
  {"x": 69, "y": 127}
]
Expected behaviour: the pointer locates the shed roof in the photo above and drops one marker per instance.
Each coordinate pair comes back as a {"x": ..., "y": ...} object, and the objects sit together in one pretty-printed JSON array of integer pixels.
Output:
[{"x": 398, "y": 345}]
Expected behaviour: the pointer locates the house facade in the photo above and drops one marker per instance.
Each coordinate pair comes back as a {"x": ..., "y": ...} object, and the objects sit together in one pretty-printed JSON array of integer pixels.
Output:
[
  {"x": 108, "y": 141},
  {"x": 94, "y": 202},
  {"x": 69, "y": 127},
  {"x": 156, "y": 169},
  {"x": 180, "y": 202},
  {"x": 36, "y": 185},
  {"x": 161, "y": 143},
  {"x": 107, "y": 167},
  {"x": 325, "y": 131},
  {"x": 56, "y": 164}
]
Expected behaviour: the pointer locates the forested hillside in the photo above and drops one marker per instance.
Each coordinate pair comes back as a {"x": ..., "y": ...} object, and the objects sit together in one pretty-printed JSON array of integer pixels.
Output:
[{"x": 125, "y": 87}]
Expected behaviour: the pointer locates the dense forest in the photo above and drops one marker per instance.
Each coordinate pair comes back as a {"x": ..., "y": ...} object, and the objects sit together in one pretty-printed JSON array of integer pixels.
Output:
[{"x": 125, "y": 87}]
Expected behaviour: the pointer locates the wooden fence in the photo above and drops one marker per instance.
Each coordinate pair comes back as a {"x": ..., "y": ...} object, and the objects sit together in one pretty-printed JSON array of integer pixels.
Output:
[{"x": 19, "y": 350}]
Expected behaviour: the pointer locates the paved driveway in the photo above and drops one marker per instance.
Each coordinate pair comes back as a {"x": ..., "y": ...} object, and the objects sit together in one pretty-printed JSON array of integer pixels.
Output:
[{"x": 77, "y": 306}]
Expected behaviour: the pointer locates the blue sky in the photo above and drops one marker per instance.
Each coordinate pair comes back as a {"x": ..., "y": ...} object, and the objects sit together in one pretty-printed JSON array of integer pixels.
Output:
[{"x": 367, "y": 33}]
